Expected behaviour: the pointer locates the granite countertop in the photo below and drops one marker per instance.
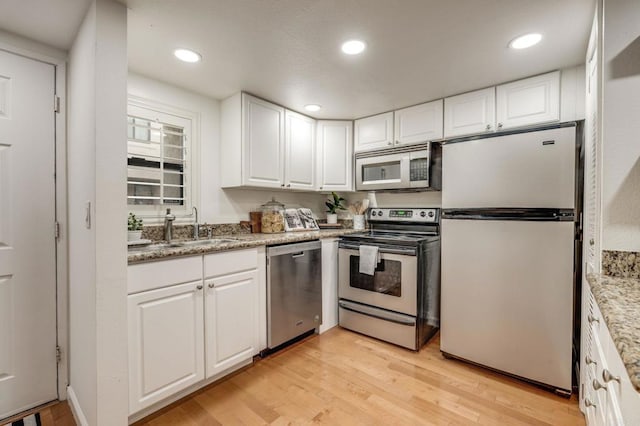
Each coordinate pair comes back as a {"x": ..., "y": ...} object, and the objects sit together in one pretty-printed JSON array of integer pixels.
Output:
[
  {"x": 238, "y": 241},
  {"x": 619, "y": 302}
]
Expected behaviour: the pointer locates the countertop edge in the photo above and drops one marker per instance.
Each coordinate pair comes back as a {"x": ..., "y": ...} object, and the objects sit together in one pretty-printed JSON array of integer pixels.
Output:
[
  {"x": 615, "y": 298},
  {"x": 243, "y": 241}
]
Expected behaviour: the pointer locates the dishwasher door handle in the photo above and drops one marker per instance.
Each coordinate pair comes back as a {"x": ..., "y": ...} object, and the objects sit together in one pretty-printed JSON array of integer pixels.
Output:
[{"x": 299, "y": 254}]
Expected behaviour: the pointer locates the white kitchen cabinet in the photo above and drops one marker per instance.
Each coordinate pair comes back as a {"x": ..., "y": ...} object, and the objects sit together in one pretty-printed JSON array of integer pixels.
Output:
[
  {"x": 329, "y": 284},
  {"x": 530, "y": 101},
  {"x": 335, "y": 155},
  {"x": 166, "y": 342},
  {"x": 232, "y": 323},
  {"x": 419, "y": 123},
  {"x": 373, "y": 132},
  {"x": 300, "y": 151},
  {"x": 470, "y": 113}
]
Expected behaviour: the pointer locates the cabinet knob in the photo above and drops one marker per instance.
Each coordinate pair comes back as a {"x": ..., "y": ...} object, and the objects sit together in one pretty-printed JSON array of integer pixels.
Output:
[
  {"x": 389, "y": 143},
  {"x": 588, "y": 403},
  {"x": 199, "y": 287},
  {"x": 588, "y": 360},
  {"x": 320, "y": 187},
  {"x": 210, "y": 285},
  {"x": 591, "y": 242},
  {"x": 499, "y": 125},
  {"x": 488, "y": 126},
  {"x": 288, "y": 185},
  {"x": 282, "y": 186},
  {"x": 593, "y": 319},
  {"x": 597, "y": 385},
  {"x": 607, "y": 376}
]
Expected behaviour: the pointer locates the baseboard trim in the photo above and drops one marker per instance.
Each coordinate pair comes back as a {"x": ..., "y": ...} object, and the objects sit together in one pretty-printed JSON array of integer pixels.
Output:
[{"x": 78, "y": 415}]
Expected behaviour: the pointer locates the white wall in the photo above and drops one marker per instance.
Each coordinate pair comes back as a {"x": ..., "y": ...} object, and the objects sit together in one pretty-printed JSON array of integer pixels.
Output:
[
  {"x": 97, "y": 255},
  {"x": 621, "y": 126},
  {"x": 217, "y": 205}
]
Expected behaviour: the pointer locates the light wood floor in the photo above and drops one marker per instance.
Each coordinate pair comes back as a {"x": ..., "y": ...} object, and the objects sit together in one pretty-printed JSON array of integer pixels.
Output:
[
  {"x": 343, "y": 378},
  {"x": 58, "y": 414}
]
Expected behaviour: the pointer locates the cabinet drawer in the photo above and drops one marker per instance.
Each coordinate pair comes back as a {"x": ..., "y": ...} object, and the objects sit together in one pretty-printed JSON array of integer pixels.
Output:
[
  {"x": 230, "y": 262},
  {"x": 148, "y": 276}
]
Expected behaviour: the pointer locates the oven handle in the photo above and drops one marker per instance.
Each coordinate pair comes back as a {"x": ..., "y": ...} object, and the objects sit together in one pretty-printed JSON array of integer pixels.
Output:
[
  {"x": 377, "y": 313},
  {"x": 405, "y": 251}
]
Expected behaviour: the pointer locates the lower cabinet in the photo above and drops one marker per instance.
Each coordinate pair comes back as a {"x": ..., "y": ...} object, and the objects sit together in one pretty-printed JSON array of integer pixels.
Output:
[
  {"x": 184, "y": 329},
  {"x": 166, "y": 342}
]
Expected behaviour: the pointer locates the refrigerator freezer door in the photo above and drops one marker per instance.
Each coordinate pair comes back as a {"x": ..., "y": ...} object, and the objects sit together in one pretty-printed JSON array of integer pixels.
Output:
[
  {"x": 507, "y": 296},
  {"x": 533, "y": 169}
]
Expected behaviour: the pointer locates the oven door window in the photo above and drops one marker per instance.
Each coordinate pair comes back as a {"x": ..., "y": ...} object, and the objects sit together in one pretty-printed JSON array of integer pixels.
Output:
[{"x": 387, "y": 278}]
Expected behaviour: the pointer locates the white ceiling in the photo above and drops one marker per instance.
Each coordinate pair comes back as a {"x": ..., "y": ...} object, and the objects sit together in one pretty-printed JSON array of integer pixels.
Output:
[
  {"x": 52, "y": 22},
  {"x": 288, "y": 51}
]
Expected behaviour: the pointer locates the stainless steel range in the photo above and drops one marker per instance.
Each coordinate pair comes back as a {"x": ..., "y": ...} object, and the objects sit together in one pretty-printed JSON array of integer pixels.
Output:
[{"x": 400, "y": 302}]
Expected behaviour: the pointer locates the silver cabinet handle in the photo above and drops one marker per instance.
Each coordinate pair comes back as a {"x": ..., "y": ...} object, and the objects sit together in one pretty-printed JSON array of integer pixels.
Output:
[
  {"x": 288, "y": 185},
  {"x": 607, "y": 376},
  {"x": 389, "y": 143},
  {"x": 593, "y": 319},
  {"x": 499, "y": 125},
  {"x": 282, "y": 185},
  {"x": 592, "y": 242},
  {"x": 199, "y": 287},
  {"x": 210, "y": 285},
  {"x": 588, "y": 360},
  {"x": 597, "y": 385},
  {"x": 588, "y": 403},
  {"x": 488, "y": 126}
]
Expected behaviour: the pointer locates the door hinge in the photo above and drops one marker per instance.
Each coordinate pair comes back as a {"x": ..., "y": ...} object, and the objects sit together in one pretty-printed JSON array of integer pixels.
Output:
[
  {"x": 56, "y": 230},
  {"x": 58, "y": 354},
  {"x": 56, "y": 103}
]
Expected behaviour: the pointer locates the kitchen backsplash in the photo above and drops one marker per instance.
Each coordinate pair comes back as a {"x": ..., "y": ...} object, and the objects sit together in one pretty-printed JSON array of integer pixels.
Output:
[
  {"x": 621, "y": 264},
  {"x": 185, "y": 232}
]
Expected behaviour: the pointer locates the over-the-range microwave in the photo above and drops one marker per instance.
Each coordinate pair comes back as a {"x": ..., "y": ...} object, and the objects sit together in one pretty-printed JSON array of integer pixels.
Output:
[{"x": 408, "y": 168}]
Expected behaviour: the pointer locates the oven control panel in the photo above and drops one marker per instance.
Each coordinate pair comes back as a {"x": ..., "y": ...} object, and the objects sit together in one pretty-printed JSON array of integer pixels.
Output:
[{"x": 420, "y": 215}]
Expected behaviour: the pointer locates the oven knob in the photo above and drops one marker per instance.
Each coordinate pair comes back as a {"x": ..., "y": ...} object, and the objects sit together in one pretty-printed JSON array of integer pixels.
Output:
[
  {"x": 423, "y": 214},
  {"x": 430, "y": 214},
  {"x": 373, "y": 213},
  {"x": 379, "y": 212}
]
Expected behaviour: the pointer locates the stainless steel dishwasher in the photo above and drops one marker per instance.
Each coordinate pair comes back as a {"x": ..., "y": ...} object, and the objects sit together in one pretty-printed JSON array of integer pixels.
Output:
[{"x": 294, "y": 291}]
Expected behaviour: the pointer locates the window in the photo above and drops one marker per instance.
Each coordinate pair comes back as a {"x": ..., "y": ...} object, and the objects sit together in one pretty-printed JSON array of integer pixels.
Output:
[{"x": 159, "y": 166}]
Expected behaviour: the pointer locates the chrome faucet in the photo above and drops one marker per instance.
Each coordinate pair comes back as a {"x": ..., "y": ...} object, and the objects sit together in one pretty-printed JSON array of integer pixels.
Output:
[
  {"x": 168, "y": 225},
  {"x": 196, "y": 225}
]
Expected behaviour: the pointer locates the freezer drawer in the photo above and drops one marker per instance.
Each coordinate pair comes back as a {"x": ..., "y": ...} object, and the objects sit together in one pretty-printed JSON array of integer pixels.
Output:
[
  {"x": 532, "y": 169},
  {"x": 507, "y": 296}
]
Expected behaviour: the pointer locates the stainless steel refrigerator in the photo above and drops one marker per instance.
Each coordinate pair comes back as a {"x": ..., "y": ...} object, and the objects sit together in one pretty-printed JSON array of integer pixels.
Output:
[{"x": 509, "y": 234}]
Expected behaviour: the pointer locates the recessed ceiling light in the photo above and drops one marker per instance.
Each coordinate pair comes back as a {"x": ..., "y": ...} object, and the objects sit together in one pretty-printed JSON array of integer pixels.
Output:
[
  {"x": 353, "y": 47},
  {"x": 312, "y": 107},
  {"x": 187, "y": 55},
  {"x": 525, "y": 41}
]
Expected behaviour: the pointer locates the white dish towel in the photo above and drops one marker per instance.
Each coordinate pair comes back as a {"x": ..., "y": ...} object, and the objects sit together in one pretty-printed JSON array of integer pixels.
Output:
[{"x": 369, "y": 259}]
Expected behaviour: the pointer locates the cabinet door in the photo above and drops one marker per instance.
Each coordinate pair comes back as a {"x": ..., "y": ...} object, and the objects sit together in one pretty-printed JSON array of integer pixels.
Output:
[
  {"x": 530, "y": 101},
  {"x": 374, "y": 132},
  {"x": 166, "y": 342},
  {"x": 335, "y": 156},
  {"x": 470, "y": 113},
  {"x": 420, "y": 123},
  {"x": 300, "y": 157},
  {"x": 231, "y": 316},
  {"x": 263, "y": 140}
]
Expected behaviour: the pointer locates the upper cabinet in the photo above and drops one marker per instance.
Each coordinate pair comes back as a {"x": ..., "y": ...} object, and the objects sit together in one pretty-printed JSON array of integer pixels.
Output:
[
  {"x": 275, "y": 148},
  {"x": 534, "y": 100},
  {"x": 419, "y": 123},
  {"x": 300, "y": 152},
  {"x": 335, "y": 155},
  {"x": 470, "y": 113},
  {"x": 373, "y": 132},
  {"x": 530, "y": 101}
]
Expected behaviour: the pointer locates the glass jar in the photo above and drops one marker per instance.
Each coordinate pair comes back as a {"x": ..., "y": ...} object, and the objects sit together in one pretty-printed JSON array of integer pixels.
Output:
[{"x": 272, "y": 217}]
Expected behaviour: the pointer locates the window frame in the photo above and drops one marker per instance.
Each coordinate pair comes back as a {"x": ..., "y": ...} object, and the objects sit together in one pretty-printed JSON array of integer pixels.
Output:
[{"x": 152, "y": 110}]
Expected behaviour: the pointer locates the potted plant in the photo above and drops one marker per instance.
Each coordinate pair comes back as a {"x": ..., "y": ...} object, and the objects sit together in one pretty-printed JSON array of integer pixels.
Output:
[
  {"x": 134, "y": 228},
  {"x": 333, "y": 205}
]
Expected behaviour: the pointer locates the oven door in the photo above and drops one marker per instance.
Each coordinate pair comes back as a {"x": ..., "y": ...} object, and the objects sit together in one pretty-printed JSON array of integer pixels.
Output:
[{"x": 393, "y": 286}]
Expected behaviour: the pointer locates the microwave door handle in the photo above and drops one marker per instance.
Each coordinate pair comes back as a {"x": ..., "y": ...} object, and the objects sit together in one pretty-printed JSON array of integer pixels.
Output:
[{"x": 405, "y": 172}]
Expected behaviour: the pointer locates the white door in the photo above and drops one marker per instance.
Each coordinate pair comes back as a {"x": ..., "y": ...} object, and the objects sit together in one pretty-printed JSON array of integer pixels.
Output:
[
  {"x": 530, "y": 101},
  {"x": 335, "y": 156},
  {"x": 374, "y": 132},
  {"x": 166, "y": 342},
  {"x": 527, "y": 170},
  {"x": 300, "y": 148},
  {"x": 231, "y": 316},
  {"x": 263, "y": 138},
  {"x": 507, "y": 296},
  {"x": 470, "y": 113},
  {"x": 27, "y": 244},
  {"x": 419, "y": 123}
]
